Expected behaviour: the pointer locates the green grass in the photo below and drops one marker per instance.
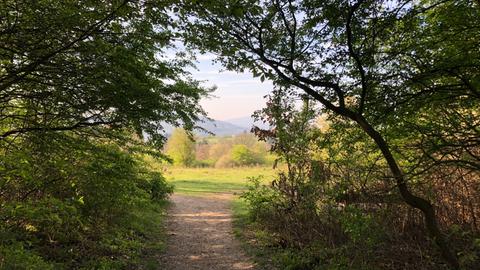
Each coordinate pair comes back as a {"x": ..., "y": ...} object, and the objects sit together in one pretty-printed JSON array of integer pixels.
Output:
[
  {"x": 149, "y": 223},
  {"x": 137, "y": 243},
  {"x": 240, "y": 218},
  {"x": 250, "y": 236},
  {"x": 214, "y": 180}
]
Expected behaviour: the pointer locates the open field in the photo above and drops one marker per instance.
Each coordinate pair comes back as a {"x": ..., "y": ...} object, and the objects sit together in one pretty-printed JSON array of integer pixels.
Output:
[{"x": 214, "y": 180}]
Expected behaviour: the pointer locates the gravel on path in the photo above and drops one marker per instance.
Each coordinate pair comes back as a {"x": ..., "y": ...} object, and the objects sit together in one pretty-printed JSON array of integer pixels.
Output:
[{"x": 199, "y": 230}]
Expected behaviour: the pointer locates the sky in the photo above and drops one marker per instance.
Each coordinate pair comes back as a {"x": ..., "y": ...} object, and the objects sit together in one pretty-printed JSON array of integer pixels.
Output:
[{"x": 237, "y": 95}]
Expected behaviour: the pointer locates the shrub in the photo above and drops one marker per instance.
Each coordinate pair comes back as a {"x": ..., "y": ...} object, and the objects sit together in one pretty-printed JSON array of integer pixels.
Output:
[
  {"x": 15, "y": 256},
  {"x": 260, "y": 199},
  {"x": 68, "y": 202},
  {"x": 159, "y": 188},
  {"x": 241, "y": 155},
  {"x": 224, "y": 162}
]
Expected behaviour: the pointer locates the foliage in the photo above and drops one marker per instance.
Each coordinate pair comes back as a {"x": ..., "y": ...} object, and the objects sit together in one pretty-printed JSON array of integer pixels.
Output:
[
  {"x": 15, "y": 256},
  {"x": 84, "y": 90},
  {"x": 396, "y": 169},
  {"x": 225, "y": 161},
  {"x": 95, "y": 64},
  {"x": 159, "y": 188},
  {"x": 73, "y": 204},
  {"x": 220, "y": 152},
  {"x": 387, "y": 70},
  {"x": 259, "y": 198},
  {"x": 242, "y": 156},
  {"x": 331, "y": 208},
  {"x": 181, "y": 148}
]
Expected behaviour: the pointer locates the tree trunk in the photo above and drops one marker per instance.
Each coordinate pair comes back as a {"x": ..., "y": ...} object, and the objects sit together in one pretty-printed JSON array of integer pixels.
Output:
[{"x": 416, "y": 202}]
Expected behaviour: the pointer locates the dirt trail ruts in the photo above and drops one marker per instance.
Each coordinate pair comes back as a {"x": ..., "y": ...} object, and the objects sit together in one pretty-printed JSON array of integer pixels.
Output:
[{"x": 199, "y": 230}]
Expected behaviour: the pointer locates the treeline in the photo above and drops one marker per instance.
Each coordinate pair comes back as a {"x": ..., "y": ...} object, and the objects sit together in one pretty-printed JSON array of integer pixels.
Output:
[
  {"x": 80, "y": 84},
  {"x": 220, "y": 152}
]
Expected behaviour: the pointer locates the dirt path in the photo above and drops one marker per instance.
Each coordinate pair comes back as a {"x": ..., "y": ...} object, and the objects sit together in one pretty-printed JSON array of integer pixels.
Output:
[{"x": 200, "y": 235}]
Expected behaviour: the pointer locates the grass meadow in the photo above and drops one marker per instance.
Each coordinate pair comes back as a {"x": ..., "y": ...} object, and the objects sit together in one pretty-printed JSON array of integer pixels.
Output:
[{"x": 215, "y": 180}]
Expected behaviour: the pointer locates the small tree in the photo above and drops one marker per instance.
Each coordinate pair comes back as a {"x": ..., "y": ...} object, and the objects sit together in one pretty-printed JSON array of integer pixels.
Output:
[
  {"x": 181, "y": 148},
  {"x": 241, "y": 155},
  {"x": 218, "y": 150}
]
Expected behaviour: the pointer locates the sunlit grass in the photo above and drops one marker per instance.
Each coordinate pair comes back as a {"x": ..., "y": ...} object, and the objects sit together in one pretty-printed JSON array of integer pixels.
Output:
[{"x": 215, "y": 180}]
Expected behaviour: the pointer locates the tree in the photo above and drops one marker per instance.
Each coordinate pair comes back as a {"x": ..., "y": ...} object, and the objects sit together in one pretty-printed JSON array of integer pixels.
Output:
[
  {"x": 241, "y": 155},
  {"x": 293, "y": 140},
  {"x": 70, "y": 66},
  {"x": 181, "y": 148},
  {"x": 219, "y": 149},
  {"x": 368, "y": 62},
  {"x": 84, "y": 86},
  {"x": 247, "y": 139}
]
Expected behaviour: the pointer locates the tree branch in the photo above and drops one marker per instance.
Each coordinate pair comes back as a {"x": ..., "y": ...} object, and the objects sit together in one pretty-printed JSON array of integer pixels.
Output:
[
  {"x": 60, "y": 128},
  {"x": 355, "y": 56},
  {"x": 21, "y": 73}
]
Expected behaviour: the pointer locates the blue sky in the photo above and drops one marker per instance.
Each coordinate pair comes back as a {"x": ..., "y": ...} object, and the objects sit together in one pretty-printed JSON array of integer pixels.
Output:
[{"x": 237, "y": 94}]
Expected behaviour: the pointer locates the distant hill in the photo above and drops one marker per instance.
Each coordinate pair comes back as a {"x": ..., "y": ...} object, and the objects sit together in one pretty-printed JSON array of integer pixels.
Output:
[
  {"x": 221, "y": 128},
  {"x": 217, "y": 127},
  {"x": 246, "y": 122}
]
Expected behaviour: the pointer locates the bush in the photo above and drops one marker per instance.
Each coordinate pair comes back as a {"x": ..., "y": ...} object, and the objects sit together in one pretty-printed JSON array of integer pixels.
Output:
[
  {"x": 225, "y": 162},
  {"x": 69, "y": 202},
  {"x": 15, "y": 256},
  {"x": 159, "y": 188},
  {"x": 260, "y": 199},
  {"x": 241, "y": 155}
]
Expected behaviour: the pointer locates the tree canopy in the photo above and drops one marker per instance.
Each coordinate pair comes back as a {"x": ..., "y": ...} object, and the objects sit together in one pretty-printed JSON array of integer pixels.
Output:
[
  {"x": 68, "y": 65},
  {"x": 389, "y": 68},
  {"x": 85, "y": 86}
]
